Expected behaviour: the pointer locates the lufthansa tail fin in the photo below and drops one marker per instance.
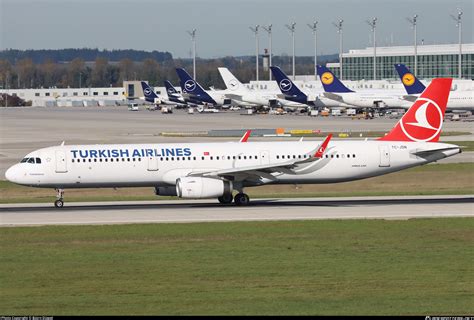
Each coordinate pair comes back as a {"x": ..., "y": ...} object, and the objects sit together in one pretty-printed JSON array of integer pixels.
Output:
[
  {"x": 330, "y": 82},
  {"x": 231, "y": 82},
  {"x": 190, "y": 87},
  {"x": 148, "y": 92},
  {"x": 187, "y": 83},
  {"x": 410, "y": 82},
  {"x": 170, "y": 89},
  {"x": 424, "y": 119},
  {"x": 287, "y": 87}
]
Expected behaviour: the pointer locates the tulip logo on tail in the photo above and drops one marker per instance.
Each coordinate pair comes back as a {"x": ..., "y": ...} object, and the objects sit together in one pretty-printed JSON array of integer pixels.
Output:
[
  {"x": 285, "y": 85},
  {"x": 190, "y": 85},
  {"x": 425, "y": 122},
  {"x": 327, "y": 78},
  {"x": 408, "y": 79}
]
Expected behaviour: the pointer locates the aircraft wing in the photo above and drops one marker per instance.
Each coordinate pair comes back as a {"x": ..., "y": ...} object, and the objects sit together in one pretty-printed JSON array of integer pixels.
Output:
[
  {"x": 233, "y": 96},
  {"x": 333, "y": 96},
  {"x": 266, "y": 170},
  {"x": 426, "y": 153},
  {"x": 409, "y": 97}
]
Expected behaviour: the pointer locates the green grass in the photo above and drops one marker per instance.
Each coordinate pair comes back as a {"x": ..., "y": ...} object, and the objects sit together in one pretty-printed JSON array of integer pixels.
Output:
[
  {"x": 434, "y": 179},
  {"x": 360, "y": 267},
  {"x": 465, "y": 145}
]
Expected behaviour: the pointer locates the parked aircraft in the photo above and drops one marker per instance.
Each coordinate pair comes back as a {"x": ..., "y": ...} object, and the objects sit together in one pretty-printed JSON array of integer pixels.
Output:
[
  {"x": 151, "y": 96},
  {"x": 241, "y": 94},
  {"x": 193, "y": 92},
  {"x": 291, "y": 92},
  {"x": 216, "y": 170},
  {"x": 337, "y": 91},
  {"x": 458, "y": 100}
]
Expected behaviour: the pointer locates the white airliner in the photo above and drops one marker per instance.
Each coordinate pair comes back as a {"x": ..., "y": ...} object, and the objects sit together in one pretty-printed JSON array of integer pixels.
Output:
[
  {"x": 215, "y": 170},
  {"x": 337, "y": 91},
  {"x": 458, "y": 100},
  {"x": 240, "y": 94}
]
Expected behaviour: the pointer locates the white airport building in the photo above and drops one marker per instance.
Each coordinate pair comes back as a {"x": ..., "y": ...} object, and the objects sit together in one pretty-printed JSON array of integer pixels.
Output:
[{"x": 439, "y": 60}]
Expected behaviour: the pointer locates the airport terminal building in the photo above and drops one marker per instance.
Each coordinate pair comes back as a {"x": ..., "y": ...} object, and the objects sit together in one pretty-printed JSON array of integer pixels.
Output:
[{"x": 440, "y": 60}]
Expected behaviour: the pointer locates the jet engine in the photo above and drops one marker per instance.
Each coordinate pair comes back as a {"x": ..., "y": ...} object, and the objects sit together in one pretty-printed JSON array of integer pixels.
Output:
[{"x": 198, "y": 187}]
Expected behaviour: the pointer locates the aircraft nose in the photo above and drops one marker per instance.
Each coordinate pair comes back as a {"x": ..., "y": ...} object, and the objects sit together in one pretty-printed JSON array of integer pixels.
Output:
[{"x": 12, "y": 173}]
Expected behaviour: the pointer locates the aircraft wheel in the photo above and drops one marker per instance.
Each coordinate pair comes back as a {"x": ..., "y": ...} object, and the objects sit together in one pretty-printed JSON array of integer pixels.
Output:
[
  {"x": 59, "y": 203},
  {"x": 241, "y": 199},
  {"x": 225, "y": 199}
]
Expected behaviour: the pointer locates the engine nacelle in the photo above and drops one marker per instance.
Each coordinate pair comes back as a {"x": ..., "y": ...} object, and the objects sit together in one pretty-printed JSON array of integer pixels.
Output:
[
  {"x": 380, "y": 104},
  {"x": 198, "y": 187},
  {"x": 166, "y": 191}
]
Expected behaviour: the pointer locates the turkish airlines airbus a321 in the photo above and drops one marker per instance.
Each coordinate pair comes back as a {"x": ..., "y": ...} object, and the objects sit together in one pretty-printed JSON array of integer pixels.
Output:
[{"x": 215, "y": 170}]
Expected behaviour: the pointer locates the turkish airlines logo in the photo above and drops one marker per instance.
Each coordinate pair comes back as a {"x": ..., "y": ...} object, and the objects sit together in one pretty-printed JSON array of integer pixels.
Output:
[
  {"x": 190, "y": 85},
  {"x": 424, "y": 120},
  {"x": 285, "y": 85},
  {"x": 147, "y": 91}
]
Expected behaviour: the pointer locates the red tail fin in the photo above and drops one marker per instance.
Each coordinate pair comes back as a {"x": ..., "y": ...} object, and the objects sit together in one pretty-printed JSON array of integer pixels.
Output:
[
  {"x": 424, "y": 119},
  {"x": 322, "y": 148},
  {"x": 246, "y": 136}
]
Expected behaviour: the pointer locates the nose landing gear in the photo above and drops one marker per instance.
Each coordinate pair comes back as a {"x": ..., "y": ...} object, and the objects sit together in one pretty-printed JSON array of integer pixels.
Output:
[{"x": 59, "y": 203}]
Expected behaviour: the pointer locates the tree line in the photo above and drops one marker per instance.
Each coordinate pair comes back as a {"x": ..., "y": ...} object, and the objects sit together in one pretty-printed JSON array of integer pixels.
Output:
[{"x": 104, "y": 72}]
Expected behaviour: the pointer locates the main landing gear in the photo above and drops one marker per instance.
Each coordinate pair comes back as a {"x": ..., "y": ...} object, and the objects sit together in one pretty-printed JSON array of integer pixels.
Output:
[
  {"x": 59, "y": 203},
  {"x": 240, "y": 199}
]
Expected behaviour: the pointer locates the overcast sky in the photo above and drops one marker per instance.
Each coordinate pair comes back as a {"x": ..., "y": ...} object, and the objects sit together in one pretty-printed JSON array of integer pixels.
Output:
[{"x": 223, "y": 25}]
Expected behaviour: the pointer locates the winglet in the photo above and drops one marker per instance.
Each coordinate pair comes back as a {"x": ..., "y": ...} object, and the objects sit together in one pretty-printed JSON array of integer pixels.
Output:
[
  {"x": 322, "y": 148},
  {"x": 246, "y": 136}
]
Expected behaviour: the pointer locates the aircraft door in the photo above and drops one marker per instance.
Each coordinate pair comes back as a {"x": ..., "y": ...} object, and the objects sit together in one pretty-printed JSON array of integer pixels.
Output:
[
  {"x": 152, "y": 163},
  {"x": 61, "y": 163},
  {"x": 264, "y": 157},
  {"x": 384, "y": 156}
]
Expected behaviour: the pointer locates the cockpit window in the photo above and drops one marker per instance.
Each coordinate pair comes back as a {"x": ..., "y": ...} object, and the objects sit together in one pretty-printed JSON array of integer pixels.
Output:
[{"x": 30, "y": 160}]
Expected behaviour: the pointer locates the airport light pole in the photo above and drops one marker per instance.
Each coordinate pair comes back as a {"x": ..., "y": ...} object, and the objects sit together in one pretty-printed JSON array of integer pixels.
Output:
[
  {"x": 459, "y": 25},
  {"x": 255, "y": 31},
  {"x": 269, "y": 31},
  {"x": 413, "y": 23},
  {"x": 292, "y": 29},
  {"x": 193, "y": 39},
  {"x": 339, "y": 30},
  {"x": 372, "y": 25},
  {"x": 313, "y": 27}
]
